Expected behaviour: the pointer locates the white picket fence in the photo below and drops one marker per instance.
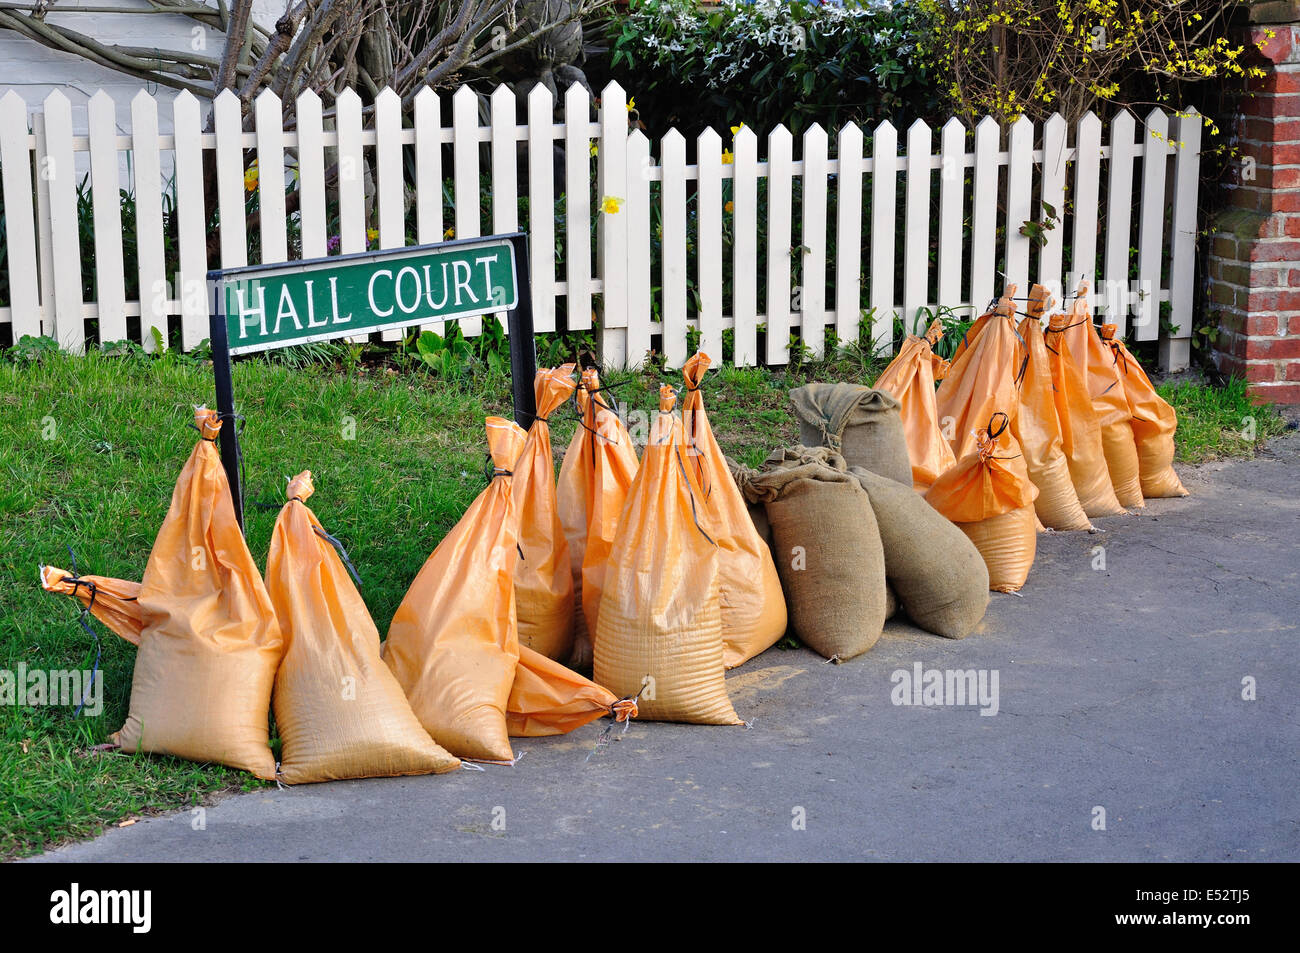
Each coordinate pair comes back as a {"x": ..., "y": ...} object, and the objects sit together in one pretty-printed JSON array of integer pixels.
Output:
[{"x": 1149, "y": 222}]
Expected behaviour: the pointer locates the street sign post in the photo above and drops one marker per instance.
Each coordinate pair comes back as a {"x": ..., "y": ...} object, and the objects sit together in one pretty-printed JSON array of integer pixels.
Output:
[{"x": 263, "y": 307}]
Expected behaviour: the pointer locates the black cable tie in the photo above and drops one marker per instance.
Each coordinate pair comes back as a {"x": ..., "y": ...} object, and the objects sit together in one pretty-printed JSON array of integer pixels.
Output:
[{"x": 338, "y": 547}]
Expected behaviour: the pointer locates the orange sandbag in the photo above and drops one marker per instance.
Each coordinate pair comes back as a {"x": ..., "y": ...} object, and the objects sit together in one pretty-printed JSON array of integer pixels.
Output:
[
  {"x": 597, "y": 471},
  {"x": 1080, "y": 432},
  {"x": 453, "y": 644},
  {"x": 114, "y": 602},
  {"x": 1153, "y": 421},
  {"x": 910, "y": 377},
  {"x": 544, "y": 578},
  {"x": 660, "y": 621},
  {"x": 989, "y": 496},
  {"x": 984, "y": 380},
  {"x": 210, "y": 643},
  {"x": 1038, "y": 429},
  {"x": 549, "y": 699},
  {"x": 1107, "y": 391},
  {"x": 978, "y": 325},
  {"x": 339, "y": 710},
  {"x": 749, "y": 590}
]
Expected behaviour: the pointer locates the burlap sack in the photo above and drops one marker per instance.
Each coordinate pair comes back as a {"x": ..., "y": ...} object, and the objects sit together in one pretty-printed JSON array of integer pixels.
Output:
[
  {"x": 741, "y": 474},
  {"x": 937, "y": 573},
  {"x": 827, "y": 552},
  {"x": 862, "y": 424}
]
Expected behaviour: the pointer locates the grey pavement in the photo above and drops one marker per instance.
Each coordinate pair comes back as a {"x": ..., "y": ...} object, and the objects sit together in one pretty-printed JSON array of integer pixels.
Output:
[{"x": 1119, "y": 689}]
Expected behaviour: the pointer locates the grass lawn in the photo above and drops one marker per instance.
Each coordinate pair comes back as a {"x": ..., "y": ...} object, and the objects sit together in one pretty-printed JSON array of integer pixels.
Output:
[{"x": 90, "y": 448}]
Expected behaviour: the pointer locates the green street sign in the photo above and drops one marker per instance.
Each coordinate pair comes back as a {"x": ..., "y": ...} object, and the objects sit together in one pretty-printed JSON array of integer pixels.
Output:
[{"x": 270, "y": 306}]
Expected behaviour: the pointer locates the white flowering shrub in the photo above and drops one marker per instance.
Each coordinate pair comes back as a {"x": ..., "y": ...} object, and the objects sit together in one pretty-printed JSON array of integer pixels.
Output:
[{"x": 770, "y": 61}]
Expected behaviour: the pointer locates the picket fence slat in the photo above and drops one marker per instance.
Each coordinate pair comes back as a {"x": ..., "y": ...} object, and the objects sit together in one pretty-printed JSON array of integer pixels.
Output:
[
  {"x": 744, "y": 257},
  {"x": 429, "y": 219},
  {"x": 1051, "y": 253},
  {"x": 637, "y": 220},
  {"x": 952, "y": 192},
  {"x": 106, "y": 202},
  {"x": 69, "y": 329},
  {"x": 20, "y": 224},
  {"x": 672, "y": 199},
  {"x": 389, "y": 185},
  {"x": 228, "y": 124},
  {"x": 1019, "y": 196},
  {"x": 577, "y": 208},
  {"x": 541, "y": 205},
  {"x": 663, "y": 224},
  {"x": 1151, "y": 225},
  {"x": 44, "y": 224},
  {"x": 270, "y": 178},
  {"x": 311, "y": 177},
  {"x": 1175, "y": 347},
  {"x": 916, "y": 247},
  {"x": 611, "y": 227},
  {"x": 191, "y": 231},
  {"x": 984, "y": 216},
  {"x": 351, "y": 180},
  {"x": 709, "y": 244},
  {"x": 780, "y": 148},
  {"x": 1119, "y": 210},
  {"x": 884, "y": 201},
  {"x": 812, "y": 280},
  {"x": 1087, "y": 192}
]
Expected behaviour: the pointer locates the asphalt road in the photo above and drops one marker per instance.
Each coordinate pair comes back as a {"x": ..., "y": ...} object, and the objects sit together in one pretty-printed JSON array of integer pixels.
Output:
[{"x": 1118, "y": 688}]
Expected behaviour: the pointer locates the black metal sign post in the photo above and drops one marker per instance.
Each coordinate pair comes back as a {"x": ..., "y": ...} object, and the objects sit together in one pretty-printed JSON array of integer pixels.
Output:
[{"x": 519, "y": 325}]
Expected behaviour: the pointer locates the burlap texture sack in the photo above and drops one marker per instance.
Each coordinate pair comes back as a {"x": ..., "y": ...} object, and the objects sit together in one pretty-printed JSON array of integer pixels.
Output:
[
  {"x": 828, "y": 552},
  {"x": 937, "y": 574},
  {"x": 862, "y": 424}
]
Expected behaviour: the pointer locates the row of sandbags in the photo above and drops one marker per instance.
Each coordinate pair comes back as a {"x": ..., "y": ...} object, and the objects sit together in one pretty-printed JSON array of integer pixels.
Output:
[
  {"x": 218, "y": 646},
  {"x": 1031, "y": 428}
]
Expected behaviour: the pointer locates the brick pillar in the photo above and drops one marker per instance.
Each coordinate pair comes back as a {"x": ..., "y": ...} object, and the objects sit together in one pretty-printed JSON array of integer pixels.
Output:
[{"x": 1254, "y": 261}]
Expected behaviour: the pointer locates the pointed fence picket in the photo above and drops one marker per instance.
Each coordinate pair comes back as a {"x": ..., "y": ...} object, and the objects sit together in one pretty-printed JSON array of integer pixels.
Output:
[{"x": 652, "y": 243}]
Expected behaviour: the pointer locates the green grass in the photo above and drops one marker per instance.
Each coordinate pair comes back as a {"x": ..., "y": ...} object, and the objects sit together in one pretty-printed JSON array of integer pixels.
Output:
[
  {"x": 1214, "y": 423},
  {"x": 118, "y": 435}
]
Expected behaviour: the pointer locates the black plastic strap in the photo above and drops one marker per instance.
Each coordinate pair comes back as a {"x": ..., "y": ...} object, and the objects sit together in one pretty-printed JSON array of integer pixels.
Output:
[{"x": 338, "y": 548}]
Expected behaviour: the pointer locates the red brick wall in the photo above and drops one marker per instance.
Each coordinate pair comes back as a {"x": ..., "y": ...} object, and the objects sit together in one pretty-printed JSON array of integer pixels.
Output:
[{"x": 1254, "y": 262}]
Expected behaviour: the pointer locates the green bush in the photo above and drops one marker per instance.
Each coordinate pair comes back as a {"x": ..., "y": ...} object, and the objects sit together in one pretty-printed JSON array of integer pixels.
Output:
[{"x": 771, "y": 62}]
